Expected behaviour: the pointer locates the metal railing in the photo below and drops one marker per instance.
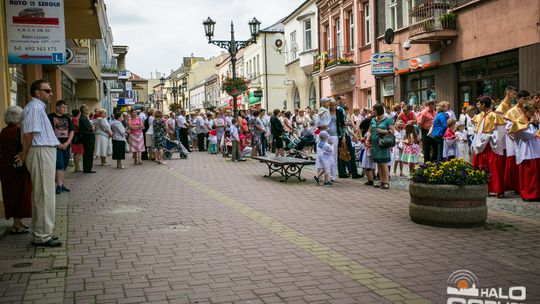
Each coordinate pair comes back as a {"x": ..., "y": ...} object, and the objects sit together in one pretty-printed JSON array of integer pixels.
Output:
[
  {"x": 334, "y": 56},
  {"x": 432, "y": 15}
]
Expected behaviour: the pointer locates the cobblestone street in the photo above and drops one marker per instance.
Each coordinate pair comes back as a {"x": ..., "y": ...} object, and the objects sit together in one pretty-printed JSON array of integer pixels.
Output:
[{"x": 207, "y": 230}]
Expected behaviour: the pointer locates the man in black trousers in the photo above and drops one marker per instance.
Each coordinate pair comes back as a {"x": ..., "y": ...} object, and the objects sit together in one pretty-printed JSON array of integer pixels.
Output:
[
  {"x": 86, "y": 129},
  {"x": 343, "y": 135}
]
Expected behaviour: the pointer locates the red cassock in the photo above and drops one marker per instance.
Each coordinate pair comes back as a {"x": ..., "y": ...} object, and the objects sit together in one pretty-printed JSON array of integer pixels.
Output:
[
  {"x": 495, "y": 164},
  {"x": 511, "y": 174},
  {"x": 529, "y": 178}
]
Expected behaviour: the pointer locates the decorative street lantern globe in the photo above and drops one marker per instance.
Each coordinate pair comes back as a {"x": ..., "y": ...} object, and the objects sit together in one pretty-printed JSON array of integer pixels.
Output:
[
  {"x": 162, "y": 80},
  {"x": 209, "y": 27},
  {"x": 254, "y": 26}
]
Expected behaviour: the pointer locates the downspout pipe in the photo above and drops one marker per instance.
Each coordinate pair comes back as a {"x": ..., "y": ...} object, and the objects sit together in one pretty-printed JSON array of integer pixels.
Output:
[{"x": 266, "y": 73}]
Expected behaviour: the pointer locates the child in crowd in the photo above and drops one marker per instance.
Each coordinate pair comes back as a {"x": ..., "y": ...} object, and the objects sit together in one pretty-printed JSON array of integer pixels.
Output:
[
  {"x": 325, "y": 153},
  {"x": 450, "y": 145},
  {"x": 399, "y": 134},
  {"x": 212, "y": 140},
  {"x": 411, "y": 149},
  {"x": 235, "y": 139},
  {"x": 463, "y": 146}
]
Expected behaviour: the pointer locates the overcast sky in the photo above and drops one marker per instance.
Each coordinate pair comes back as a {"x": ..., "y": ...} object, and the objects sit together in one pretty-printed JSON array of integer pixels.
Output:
[{"x": 159, "y": 33}]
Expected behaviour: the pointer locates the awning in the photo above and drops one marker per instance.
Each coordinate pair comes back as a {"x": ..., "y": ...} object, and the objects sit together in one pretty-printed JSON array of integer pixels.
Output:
[{"x": 253, "y": 99}]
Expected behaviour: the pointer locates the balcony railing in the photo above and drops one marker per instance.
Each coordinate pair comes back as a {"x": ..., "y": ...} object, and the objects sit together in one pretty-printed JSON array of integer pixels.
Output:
[
  {"x": 334, "y": 57},
  {"x": 431, "y": 16}
]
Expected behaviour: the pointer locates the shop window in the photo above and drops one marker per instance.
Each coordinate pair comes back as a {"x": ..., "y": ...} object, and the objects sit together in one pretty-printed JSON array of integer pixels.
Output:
[
  {"x": 69, "y": 92},
  {"x": 17, "y": 85},
  {"x": 419, "y": 87}
]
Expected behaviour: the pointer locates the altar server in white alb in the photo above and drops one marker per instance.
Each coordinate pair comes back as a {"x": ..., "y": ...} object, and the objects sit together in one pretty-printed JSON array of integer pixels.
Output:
[
  {"x": 488, "y": 146},
  {"x": 527, "y": 137}
]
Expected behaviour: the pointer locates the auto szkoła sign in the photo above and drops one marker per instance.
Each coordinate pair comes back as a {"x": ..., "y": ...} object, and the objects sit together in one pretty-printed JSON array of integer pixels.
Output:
[
  {"x": 36, "y": 32},
  {"x": 382, "y": 63}
]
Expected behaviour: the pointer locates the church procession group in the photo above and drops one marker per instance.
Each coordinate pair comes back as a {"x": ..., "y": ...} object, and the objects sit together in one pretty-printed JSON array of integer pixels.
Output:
[{"x": 507, "y": 144}]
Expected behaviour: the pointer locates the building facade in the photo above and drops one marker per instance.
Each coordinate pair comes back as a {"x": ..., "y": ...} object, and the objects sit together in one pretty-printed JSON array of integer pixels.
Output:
[
  {"x": 264, "y": 64},
  {"x": 301, "y": 49}
]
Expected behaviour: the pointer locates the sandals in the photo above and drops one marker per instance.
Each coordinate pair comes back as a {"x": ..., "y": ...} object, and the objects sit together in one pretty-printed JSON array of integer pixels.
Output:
[
  {"x": 19, "y": 230},
  {"x": 385, "y": 186},
  {"x": 369, "y": 183}
]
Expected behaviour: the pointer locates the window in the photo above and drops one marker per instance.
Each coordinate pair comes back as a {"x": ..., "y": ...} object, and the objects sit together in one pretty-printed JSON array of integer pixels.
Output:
[
  {"x": 312, "y": 97},
  {"x": 391, "y": 14},
  {"x": 328, "y": 45},
  {"x": 307, "y": 34},
  {"x": 351, "y": 31},
  {"x": 296, "y": 99},
  {"x": 338, "y": 38},
  {"x": 258, "y": 70},
  {"x": 405, "y": 13},
  {"x": 367, "y": 24},
  {"x": 293, "y": 45}
]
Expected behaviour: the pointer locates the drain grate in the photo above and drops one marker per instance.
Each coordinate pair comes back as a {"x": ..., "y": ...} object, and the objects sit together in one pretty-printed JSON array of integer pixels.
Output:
[{"x": 25, "y": 265}]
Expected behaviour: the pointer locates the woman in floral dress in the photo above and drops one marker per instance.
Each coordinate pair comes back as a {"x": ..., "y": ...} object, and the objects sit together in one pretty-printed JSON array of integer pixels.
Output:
[{"x": 160, "y": 136}]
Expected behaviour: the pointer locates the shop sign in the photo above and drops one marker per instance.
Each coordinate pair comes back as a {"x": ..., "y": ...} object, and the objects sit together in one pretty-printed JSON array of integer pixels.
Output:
[
  {"x": 417, "y": 63},
  {"x": 124, "y": 74},
  {"x": 81, "y": 57},
  {"x": 342, "y": 82},
  {"x": 125, "y": 101},
  {"x": 382, "y": 63},
  {"x": 388, "y": 87},
  {"x": 36, "y": 32}
]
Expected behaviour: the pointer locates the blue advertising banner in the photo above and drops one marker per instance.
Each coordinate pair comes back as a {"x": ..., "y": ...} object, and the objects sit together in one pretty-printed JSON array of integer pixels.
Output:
[{"x": 382, "y": 63}]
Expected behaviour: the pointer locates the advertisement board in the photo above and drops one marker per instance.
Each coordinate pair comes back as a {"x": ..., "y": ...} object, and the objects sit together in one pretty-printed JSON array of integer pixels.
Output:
[
  {"x": 382, "y": 63},
  {"x": 36, "y": 32}
]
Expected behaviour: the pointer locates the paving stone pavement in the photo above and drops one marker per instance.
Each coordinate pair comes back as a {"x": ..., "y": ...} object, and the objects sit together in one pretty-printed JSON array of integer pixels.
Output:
[{"x": 207, "y": 230}]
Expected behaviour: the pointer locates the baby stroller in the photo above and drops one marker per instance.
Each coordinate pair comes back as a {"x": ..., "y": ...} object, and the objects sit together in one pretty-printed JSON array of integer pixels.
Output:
[
  {"x": 295, "y": 145},
  {"x": 172, "y": 146},
  {"x": 226, "y": 144}
]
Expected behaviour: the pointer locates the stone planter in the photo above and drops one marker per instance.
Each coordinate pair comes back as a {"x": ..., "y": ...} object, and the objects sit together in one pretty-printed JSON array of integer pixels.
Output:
[{"x": 448, "y": 205}]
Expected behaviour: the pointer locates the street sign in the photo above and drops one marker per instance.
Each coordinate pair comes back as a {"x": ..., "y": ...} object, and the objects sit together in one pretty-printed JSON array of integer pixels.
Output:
[
  {"x": 258, "y": 93},
  {"x": 81, "y": 57},
  {"x": 36, "y": 32}
]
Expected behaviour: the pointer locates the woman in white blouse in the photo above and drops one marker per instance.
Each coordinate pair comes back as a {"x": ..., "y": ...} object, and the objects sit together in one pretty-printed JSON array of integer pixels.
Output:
[{"x": 103, "y": 133}]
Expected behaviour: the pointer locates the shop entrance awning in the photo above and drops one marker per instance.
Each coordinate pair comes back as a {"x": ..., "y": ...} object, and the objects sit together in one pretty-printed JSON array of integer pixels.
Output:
[{"x": 253, "y": 99}]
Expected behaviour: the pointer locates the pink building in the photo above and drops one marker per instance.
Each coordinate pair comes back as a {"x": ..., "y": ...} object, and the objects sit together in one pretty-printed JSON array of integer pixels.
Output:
[{"x": 454, "y": 50}]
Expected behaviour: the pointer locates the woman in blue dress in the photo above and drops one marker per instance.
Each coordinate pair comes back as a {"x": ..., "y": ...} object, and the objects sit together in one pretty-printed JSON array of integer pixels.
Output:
[{"x": 380, "y": 126}]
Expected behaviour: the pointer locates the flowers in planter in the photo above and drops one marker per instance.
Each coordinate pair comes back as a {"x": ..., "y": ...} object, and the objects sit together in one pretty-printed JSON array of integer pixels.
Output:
[
  {"x": 326, "y": 62},
  {"x": 235, "y": 86},
  {"x": 453, "y": 172}
]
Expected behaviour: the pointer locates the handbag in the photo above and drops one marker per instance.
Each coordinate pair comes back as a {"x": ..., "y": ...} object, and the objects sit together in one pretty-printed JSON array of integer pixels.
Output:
[
  {"x": 344, "y": 154},
  {"x": 386, "y": 141}
]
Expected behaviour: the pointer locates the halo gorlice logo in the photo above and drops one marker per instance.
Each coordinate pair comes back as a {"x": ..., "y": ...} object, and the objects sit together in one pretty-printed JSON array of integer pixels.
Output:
[{"x": 463, "y": 288}]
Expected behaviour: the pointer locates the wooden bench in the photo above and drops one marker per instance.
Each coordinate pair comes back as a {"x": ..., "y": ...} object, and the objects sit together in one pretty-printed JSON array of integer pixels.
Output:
[{"x": 285, "y": 166}]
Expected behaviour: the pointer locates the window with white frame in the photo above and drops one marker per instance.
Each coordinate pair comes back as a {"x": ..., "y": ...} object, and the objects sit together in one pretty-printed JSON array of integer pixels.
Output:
[
  {"x": 257, "y": 70},
  {"x": 367, "y": 24},
  {"x": 293, "y": 44},
  {"x": 328, "y": 35},
  {"x": 391, "y": 14},
  {"x": 307, "y": 34},
  {"x": 338, "y": 37},
  {"x": 405, "y": 12},
  {"x": 351, "y": 31}
]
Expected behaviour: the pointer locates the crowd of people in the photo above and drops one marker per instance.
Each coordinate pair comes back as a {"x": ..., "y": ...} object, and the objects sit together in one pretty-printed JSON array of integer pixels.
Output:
[{"x": 37, "y": 147}]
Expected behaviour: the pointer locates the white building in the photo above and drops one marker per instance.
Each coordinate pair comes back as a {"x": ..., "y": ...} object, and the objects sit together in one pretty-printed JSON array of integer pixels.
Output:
[
  {"x": 300, "y": 49},
  {"x": 264, "y": 64}
]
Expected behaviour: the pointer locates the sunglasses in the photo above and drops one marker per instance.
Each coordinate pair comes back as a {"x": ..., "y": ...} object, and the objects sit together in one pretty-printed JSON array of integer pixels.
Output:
[{"x": 48, "y": 91}]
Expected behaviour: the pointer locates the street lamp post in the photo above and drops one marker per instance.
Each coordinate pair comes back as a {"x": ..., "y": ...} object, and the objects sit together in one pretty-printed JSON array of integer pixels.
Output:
[
  {"x": 232, "y": 46},
  {"x": 174, "y": 89}
]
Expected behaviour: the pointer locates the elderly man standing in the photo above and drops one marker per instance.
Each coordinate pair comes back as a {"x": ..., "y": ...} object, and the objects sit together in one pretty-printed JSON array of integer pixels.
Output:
[{"x": 39, "y": 154}]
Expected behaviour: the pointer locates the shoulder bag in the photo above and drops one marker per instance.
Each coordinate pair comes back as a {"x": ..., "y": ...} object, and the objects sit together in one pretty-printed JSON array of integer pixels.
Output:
[{"x": 388, "y": 140}]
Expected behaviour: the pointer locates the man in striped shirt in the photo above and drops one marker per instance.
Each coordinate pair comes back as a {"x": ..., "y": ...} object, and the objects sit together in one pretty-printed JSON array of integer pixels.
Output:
[{"x": 39, "y": 155}]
